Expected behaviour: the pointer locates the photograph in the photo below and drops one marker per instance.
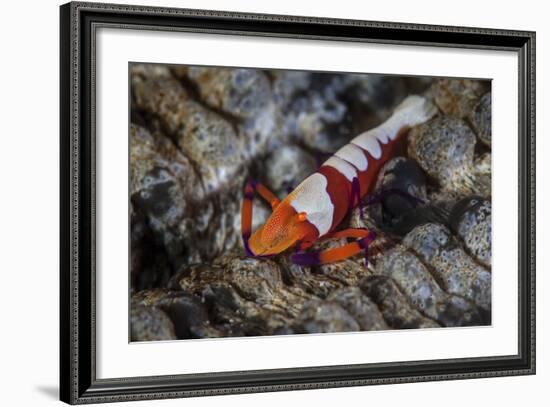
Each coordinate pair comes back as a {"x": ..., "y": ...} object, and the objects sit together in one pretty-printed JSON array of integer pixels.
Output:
[
  {"x": 269, "y": 202},
  {"x": 253, "y": 201}
]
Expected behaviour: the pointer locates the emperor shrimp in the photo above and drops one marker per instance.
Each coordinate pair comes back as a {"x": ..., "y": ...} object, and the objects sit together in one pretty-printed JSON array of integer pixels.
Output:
[{"x": 316, "y": 207}]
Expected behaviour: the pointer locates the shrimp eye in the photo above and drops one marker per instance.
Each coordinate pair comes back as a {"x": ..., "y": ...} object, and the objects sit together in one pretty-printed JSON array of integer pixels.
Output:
[{"x": 302, "y": 216}]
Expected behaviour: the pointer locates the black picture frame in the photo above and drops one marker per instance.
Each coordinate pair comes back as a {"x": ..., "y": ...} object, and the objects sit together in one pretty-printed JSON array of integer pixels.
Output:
[{"x": 78, "y": 382}]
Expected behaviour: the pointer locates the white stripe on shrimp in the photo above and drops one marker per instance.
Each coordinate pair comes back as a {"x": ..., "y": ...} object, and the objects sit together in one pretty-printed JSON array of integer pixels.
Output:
[
  {"x": 353, "y": 155},
  {"x": 342, "y": 166},
  {"x": 311, "y": 197},
  {"x": 412, "y": 111},
  {"x": 368, "y": 141}
]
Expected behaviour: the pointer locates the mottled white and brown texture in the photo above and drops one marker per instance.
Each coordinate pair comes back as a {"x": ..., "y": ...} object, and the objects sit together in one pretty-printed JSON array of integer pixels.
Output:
[
  {"x": 424, "y": 291},
  {"x": 398, "y": 312},
  {"x": 457, "y": 272},
  {"x": 472, "y": 222},
  {"x": 209, "y": 141},
  {"x": 243, "y": 97},
  {"x": 346, "y": 309},
  {"x": 150, "y": 324},
  {"x": 480, "y": 117},
  {"x": 445, "y": 149},
  {"x": 457, "y": 97},
  {"x": 164, "y": 186}
]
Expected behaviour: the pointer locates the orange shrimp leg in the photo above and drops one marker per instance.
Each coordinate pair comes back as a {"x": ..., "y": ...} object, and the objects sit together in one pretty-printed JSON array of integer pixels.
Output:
[
  {"x": 364, "y": 238},
  {"x": 246, "y": 210}
]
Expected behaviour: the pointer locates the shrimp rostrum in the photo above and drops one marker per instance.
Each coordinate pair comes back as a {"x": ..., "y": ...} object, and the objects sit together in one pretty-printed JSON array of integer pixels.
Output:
[{"x": 316, "y": 207}]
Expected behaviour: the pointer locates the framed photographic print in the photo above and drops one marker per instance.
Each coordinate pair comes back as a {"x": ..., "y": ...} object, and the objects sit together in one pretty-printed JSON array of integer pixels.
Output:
[{"x": 256, "y": 203}]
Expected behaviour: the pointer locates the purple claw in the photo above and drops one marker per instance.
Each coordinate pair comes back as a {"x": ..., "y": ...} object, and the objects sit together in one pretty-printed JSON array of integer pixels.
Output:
[
  {"x": 305, "y": 259},
  {"x": 247, "y": 249},
  {"x": 364, "y": 244}
]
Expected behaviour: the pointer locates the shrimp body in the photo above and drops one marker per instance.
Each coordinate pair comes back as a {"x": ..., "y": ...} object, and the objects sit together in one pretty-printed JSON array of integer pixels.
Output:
[{"x": 315, "y": 208}]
